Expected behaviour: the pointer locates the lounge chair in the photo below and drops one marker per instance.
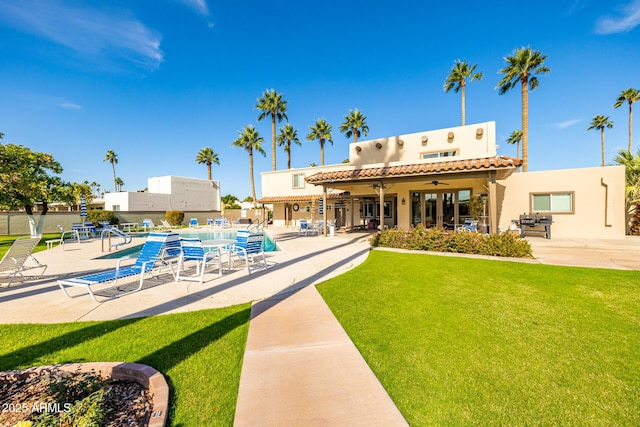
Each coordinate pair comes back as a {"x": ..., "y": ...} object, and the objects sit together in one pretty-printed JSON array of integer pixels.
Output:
[
  {"x": 19, "y": 258},
  {"x": 248, "y": 248},
  {"x": 148, "y": 261},
  {"x": 221, "y": 223},
  {"x": 468, "y": 225},
  {"x": 65, "y": 236},
  {"x": 148, "y": 223},
  {"x": 210, "y": 222},
  {"x": 193, "y": 223},
  {"x": 192, "y": 250}
]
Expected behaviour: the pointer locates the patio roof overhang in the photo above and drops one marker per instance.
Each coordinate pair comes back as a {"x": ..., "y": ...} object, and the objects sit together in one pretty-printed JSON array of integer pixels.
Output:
[
  {"x": 502, "y": 167},
  {"x": 302, "y": 198}
]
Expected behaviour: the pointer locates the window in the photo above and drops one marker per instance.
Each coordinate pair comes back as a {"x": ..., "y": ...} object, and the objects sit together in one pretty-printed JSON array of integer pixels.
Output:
[
  {"x": 552, "y": 202},
  {"x": 438, "y": 154},
  {"x": 298, "y": 180},
  {"x": 366, "y": 210},
  {"x": 116, "y": 207}
]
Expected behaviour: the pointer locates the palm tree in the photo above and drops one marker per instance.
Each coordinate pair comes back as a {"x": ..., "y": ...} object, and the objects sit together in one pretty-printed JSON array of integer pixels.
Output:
[
  {"x": 112, "y": 158},
  {"x": 250, "y": 140},
  {"x": 320, "y": 130},
  {"x": 524, "y": 64},
  {"x": 119, "y": 183},
  {"x": 600, "y": 122},
  {"x": 515, "y": 138},
  {"x": 630, "y": 95},
  {"x": 632, "y": 186},
  {"x": 355, "y": 123},
  {"x": 272, "y": 105},
  {"x": 208, "y": 157},
  {"x": 457, "y": 80},
  {"x": 286, "y": 136}
]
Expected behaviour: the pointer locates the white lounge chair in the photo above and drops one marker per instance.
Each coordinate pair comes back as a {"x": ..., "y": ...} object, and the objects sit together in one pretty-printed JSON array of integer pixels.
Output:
[
  {"x": 166, "y": 224},
  {"x": 19, "y": 258},
  {"x": 192, "y": 250},
  {"x": 248, "y": 248},
  {"x": 148, "y": 261},
  {"x": 65, "y": 236}
]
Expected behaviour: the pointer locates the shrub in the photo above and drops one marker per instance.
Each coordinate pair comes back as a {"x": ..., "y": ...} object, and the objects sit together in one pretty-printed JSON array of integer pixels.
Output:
[
  {"x": 97, "y": 215},
  {"x": 441, "y": 240},
  {"x": 175, "y": 217}
]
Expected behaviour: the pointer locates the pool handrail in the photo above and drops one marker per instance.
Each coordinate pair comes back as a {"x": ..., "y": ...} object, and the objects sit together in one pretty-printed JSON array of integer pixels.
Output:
[{"x": 109, "y": 231}]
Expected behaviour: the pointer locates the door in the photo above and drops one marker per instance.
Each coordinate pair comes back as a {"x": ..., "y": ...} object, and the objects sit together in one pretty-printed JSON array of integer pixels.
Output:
[{"x": 434, "y": 209}]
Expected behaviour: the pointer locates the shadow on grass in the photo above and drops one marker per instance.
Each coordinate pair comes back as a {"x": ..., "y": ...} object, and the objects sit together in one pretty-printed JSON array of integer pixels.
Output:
[{"x": 26, "y": 356}]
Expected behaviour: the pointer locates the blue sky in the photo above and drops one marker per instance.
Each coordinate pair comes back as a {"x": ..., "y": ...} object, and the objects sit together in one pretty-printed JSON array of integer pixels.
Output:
[{"x": 157, "y": 81}]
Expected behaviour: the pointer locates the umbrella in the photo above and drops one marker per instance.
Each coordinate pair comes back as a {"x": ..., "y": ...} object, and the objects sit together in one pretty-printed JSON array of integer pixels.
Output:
[{"x": 83, "y": 208}]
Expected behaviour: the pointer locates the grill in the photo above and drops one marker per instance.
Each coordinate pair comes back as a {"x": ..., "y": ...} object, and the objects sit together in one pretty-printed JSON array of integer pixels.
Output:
[{"x": 531, "y": 223}]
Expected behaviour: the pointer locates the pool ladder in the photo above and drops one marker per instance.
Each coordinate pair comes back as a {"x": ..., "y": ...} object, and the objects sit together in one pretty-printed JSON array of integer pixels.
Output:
[{"x": 107, "y": 232}]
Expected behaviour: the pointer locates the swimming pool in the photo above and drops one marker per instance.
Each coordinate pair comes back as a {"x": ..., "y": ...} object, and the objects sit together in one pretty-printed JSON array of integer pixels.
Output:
[{"x": 268, "y": 244}]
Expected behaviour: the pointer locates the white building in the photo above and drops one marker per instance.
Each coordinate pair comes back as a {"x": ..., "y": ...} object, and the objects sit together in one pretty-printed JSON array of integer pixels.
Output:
[{"x": 168, "y": 193}]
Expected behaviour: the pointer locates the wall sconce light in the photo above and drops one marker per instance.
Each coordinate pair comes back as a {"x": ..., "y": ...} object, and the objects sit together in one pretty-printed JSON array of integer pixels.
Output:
[
  {"x": 479, "y": 133},
  {"x": 450, "y": 136},
  {"x": 400, "y": 142},
  {"x": 403, "y": 201},
  {"x": 425, "y": 139},
  {"x": 378, "y": 145},
  {"x": 358, "y": 148}
]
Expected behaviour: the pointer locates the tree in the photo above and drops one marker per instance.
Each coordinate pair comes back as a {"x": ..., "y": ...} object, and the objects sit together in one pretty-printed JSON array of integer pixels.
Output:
[
  {"x": 522, "y": 68},
  {"x": 515, "y": 138},
  {"x": 272, "y": 105},
  {"x": 355, "y": 123},
  {"x": 250, "y": 140},
  {"x": 112, "y": 158},
  {"x": 601, "y": 122},
  {"x": 632, "y": 186},
  {"x": 28, "y": 178},
  {"x": 630, "y": 95},
  {"x": 286, "y": 136},
  {"x": 229, "y": 202},
  {"x": 208, "y": 157},
  {"x": 320, "y": 130},
  {"x": 457, "y": 80},
  {"x": 119, "y": 184}
]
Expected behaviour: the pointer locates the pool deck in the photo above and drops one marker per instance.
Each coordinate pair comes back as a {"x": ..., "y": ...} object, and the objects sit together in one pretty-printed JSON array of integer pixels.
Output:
[{"x": 299, "y": 367}]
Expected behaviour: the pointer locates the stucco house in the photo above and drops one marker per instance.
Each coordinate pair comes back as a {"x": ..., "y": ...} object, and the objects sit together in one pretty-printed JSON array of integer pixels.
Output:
[
  {"x": 431, "y": 177},
  {"x": 168, "y": 193}
]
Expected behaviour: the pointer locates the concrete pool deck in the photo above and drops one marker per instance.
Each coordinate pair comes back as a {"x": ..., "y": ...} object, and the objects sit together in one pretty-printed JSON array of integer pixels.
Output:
[{"x": 299, "y": 367}]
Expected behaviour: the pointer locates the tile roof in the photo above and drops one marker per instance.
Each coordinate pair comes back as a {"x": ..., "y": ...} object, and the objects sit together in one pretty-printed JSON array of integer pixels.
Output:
[
  {"x": 418, "y": 169},
  {"x": 300, "y": 198}
]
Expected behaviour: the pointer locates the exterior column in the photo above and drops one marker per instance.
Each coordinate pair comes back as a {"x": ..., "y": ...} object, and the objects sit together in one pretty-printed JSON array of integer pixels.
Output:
[
  {"x": 324, "y": 210},
  {"x": 493, "y": 204},
  {"x": 381, "y": 225}
]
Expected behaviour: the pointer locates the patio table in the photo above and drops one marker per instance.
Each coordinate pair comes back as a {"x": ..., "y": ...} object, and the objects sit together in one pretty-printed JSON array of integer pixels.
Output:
[
  {"x": 128, "y": 226},
  {"x": 220, "y": 244}
]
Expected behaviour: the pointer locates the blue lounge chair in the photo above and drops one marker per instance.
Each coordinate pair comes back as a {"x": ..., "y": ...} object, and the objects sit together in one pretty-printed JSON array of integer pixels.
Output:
[
  {"x": 192, "y": 250},
  {"x": 193, "y": 223},
  {"x": 248, "y": 248},
  {"x": 149, "y": 259},
  {"x": 468, "y": 225}
]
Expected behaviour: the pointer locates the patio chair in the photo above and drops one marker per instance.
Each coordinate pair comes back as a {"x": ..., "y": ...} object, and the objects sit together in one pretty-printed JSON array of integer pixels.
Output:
[
  {"x": 211, "y": 222},
  {"x": 149, "y": 260},
  {"x": 166, "y": 224},
  {"x": 305, "y": 228},
  {"x": 19, "y": 258},
  {"x": 192, "y": 250},
  {"x": 468, "y": 225},
  {"x": 193, "y": 223},
  {"x": 248, "y": 248},
  {"x": 148, "y": 223}
]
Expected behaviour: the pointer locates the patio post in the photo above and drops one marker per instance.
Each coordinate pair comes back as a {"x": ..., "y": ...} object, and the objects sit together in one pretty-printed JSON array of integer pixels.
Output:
[{"x": 324, "y": 210}]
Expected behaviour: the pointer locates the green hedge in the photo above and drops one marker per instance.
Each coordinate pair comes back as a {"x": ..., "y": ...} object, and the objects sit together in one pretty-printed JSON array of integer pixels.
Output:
[
  {"x": 97, "y": 215},
  {"x": 441, "y": 240},
  {"x": 175, "y": 218}
]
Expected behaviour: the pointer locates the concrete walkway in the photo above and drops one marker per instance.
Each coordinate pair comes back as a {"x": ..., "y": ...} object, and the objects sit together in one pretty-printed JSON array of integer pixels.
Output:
[{"x": 300, "y": 367}]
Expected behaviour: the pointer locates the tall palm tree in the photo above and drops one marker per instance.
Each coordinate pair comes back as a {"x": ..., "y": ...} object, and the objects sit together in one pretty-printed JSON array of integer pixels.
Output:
[
  {"x": 320, "y": 130},
  {"x": 630, "y": 95},
  {"x": 601, "y": 122},
  {"x": 208, "y": 157},
  {"x": 286, "y": 136},
  {"x": 355, "y": 123},
  {"x": 515, "y": 138},
  {"x": 112, "y": 158},
  {"x": 250, "y": 140},
  {"x": 457, "y": 80},
  {"x": 632, "y": 186},
  {"x": 272, "y": 105},
  {"x": 522, "y": 67}
]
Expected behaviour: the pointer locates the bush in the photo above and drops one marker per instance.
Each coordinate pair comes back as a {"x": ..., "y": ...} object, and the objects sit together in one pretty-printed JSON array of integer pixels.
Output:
[
  {"x": 441, "y": 240},
  {"x": 175, "y": 218},
  {"x": 97, "y": 215}
]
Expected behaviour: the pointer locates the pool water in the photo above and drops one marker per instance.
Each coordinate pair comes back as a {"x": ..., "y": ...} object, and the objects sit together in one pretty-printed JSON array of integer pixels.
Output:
[{"x": 268, "y": 243}]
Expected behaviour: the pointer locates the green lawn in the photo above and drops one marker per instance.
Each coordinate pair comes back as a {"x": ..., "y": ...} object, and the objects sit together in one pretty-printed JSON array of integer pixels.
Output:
[
  {"x": 199, "y": 353},
  {"x": 460, "y": 341}
]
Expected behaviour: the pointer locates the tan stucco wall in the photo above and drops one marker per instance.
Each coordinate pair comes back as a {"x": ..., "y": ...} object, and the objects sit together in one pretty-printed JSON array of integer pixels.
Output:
[{"x": 593, "y": 201}]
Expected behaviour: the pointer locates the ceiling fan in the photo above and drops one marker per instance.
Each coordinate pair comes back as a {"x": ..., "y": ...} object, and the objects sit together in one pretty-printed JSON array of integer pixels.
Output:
[{"x": 436, "y": 183}]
